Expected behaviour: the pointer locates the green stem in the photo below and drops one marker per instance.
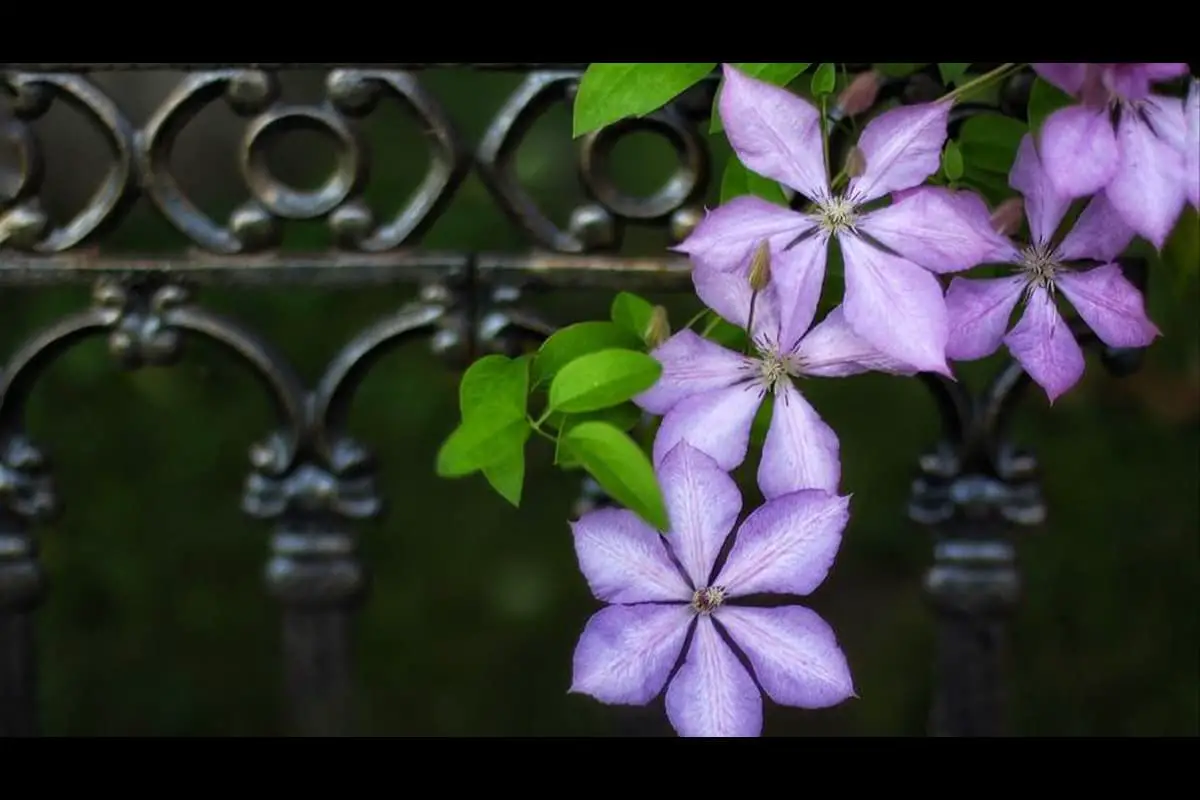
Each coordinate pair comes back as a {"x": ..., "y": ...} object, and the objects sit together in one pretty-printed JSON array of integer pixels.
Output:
[
  {"x": 712, "y": 324},
  {"x": 750, "y": 324},
  {"x": 824, "y": 134},
  {"x": 988, "y": 77},
  {"x": 536, "y": 425},
  {"x": 695, "y": 319}
]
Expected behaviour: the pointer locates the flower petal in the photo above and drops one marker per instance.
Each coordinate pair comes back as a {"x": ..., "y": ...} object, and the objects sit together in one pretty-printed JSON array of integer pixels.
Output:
[
  {"x": 787, "y": 545},
  {"x": 1068, "y": 77},
  {"x": 797, "y": 277},
  {"x": 801, "y": 451},
  {"x": 901, "y": 147},
  {"x": 1191, "y": 144},
  {"x": 729, "y": 293},
  {"x": 1045, "y": 207},
  {"x": 728, "y": 235},
  {"x": 1079, "y": 150},
  {"x": 717, "y": 423},
  {"x": 833, "y": 350},
  {"x": 895, "y": 305},
  {"x": 1133, "y": 81},
  {"x": 703, "y": 503},
  {"x": 774, "y": 132},
  {"x": 979, "y": 311},
  {"x": 624, "y": 560},
  {"x": 1110, "y": 305},
  {"x": 1100, "y": 233},
  {"x": 939, "y": 229},
  {"x": 794, "y": 653},
  {"x": 1148, "y": 189},
  {"x": 626, "y": 653},
  {"x": 1045, "y": 346},
  {"x": 713, "y": 694},
  {"x": 691, "y": 365}
]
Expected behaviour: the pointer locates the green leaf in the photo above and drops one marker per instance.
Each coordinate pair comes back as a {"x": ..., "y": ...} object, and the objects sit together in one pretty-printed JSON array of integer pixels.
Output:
[
  {"x": 824, "y": 80},
  {"x": 952, "y": 72},
  {"x": 602, "y": 379},
  {"x": 632, "y": 313},
  {"x": 578, "y": 340},
  {"x": 952, "y": 161},
  {"x": 990, "y": 142},
  {"x": 738, "y": 181},
  {"x": 495, "y": 386},
  {"x": 507, "y": 476},
  {"x": 762, "y": 421},
  {"x": 479, "y": 442},
  {"x": 893, "y": 70},
  {"x": 725, "y": 334},
  {"x": 620, "y": 467},
  {"x": 610, "y": 92},
  {"x": 776, "y": 74},
  {"x": 624, "y": 417},
  {"x": 1044, "y": 99}
]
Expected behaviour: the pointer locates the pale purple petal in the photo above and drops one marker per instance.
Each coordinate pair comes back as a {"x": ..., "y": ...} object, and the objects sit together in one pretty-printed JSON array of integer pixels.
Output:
[
  {"x": 794, "y": 653},
  {"x": 1068, "y": 77},
  {"x": 703, "y": 503},
  {"x": 979, "y": 311},
  {"x": 1191, "y": 144},
  {"x": 626, "y": 653},
  {"x": 691, "y": 365},
  {"x": 1045, "y": 207},
  {"x": 713, "y": 694},
  {"x": 729, "y": 293},
  {"x": 801, "y": 451},
  {"x": 1045, "y": 346},
  {"x": 1148, "y": 189},
  {"x": 1100, "y": 233},
  {"x": 787, "y": 545},
  {"x": 797, "y": 276},
  {"x": 717, "y": 423},
  {"x": 1133, "y": 81},
  {"x": 728, "y": 235},
  {"x": 833, "y": 350},
  {"x": 624, "y": 560},
  {"x": 774, "y": 132},
  {"x": 895, "y": 305},
  {"x": 902, "y": 147},
  {"x": 1079, "y": 150},
  {"x": 939, "y": 229},
  {"x": 1110, "y": 305}
]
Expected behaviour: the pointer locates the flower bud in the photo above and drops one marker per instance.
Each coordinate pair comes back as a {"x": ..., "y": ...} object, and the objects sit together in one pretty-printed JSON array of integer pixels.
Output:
[
  {"x": 859, "y": 95},
  {"x": 760, "y": 267},
  {"x": 659, "y": 329},
  {"x": 1006, "y": 218}
]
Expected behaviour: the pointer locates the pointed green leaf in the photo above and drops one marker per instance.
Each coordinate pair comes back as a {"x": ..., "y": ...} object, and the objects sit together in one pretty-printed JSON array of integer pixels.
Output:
[
  {"x": 496, "y": 386},
  {"x": 990, "y": 141},
  {"x": 632, "y": 313},
  {"x": 738, "y": 181},
  {"x": 602, "y": 379},
  {"x": 952, "y": 161},
  {"x": 824, "y": 80},
  {"x": 620, "y": 467},
  {"x": 578, "y": 340},
  {"x": 776, "y": 74},
  {"x": 507, "y": 476},
  {"x": 1044, "y": 99},
  {"x": 951, "y": 73},
  {"x": 610, "y": 92},
  {"x": 624, "y": 417},
  {"x": 479, "y": 442}
]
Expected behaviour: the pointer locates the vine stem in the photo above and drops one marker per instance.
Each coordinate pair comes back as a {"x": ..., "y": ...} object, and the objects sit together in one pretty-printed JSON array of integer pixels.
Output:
[{"x": 988, "y": 77}]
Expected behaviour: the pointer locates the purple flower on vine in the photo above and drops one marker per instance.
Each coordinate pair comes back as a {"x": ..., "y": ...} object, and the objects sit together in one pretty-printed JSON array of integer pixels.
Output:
[
  {"x": 710, "y": 395},
  {"x": 663, "y": 589},
  {"x": 1121, "y": 140},
  {"x": 890, "y": 301},
  {"x": 1041, "y": 341}
]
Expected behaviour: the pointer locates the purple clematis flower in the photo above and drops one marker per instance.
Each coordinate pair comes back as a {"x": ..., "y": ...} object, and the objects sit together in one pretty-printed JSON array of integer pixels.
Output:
[
  {"x": 1120, "y": 139},
  {"x": 1041, "y": 341},
  {"x": 890, "y": 301},
  {"x": 1191, "y": 144},
  {"x": 709, "y": 395},
  {"x": 662, "y": 589}
]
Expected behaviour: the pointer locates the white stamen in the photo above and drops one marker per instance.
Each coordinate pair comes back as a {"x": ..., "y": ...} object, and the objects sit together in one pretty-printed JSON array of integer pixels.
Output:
[{"x": 708, "y": 599}]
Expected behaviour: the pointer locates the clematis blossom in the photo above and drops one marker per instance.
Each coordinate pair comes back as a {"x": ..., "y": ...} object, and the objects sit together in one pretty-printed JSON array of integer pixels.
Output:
[
  {"x": 890, "y": 301},
  {"x": 1041, "y": 341},
  {"x": 1191, "y": 146},
  {"x": 708, "y": 395},
  {"x": 1119, "y": 139},
  {"x": 665, "y": 589}
]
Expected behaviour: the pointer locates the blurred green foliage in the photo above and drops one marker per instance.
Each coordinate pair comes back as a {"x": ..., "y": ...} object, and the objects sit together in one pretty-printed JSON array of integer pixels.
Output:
[{"x": 157, "y": 623}]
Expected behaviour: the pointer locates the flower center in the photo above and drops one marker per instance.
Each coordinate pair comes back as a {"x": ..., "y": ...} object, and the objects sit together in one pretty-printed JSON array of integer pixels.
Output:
[
  {"x": 771, "y": 368},
  {"x": 708, "y": 599},
  {"x": 837, "y": 214},
  {"x": 1040, "y": 266}
]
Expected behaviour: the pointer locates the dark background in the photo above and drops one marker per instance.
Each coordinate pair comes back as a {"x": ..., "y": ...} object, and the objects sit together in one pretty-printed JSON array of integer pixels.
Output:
[{"x": 157, "y": 622}]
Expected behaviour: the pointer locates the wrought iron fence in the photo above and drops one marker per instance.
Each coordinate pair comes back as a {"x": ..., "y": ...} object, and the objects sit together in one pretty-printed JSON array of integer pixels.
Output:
[{"x": 308, "y": 477}]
